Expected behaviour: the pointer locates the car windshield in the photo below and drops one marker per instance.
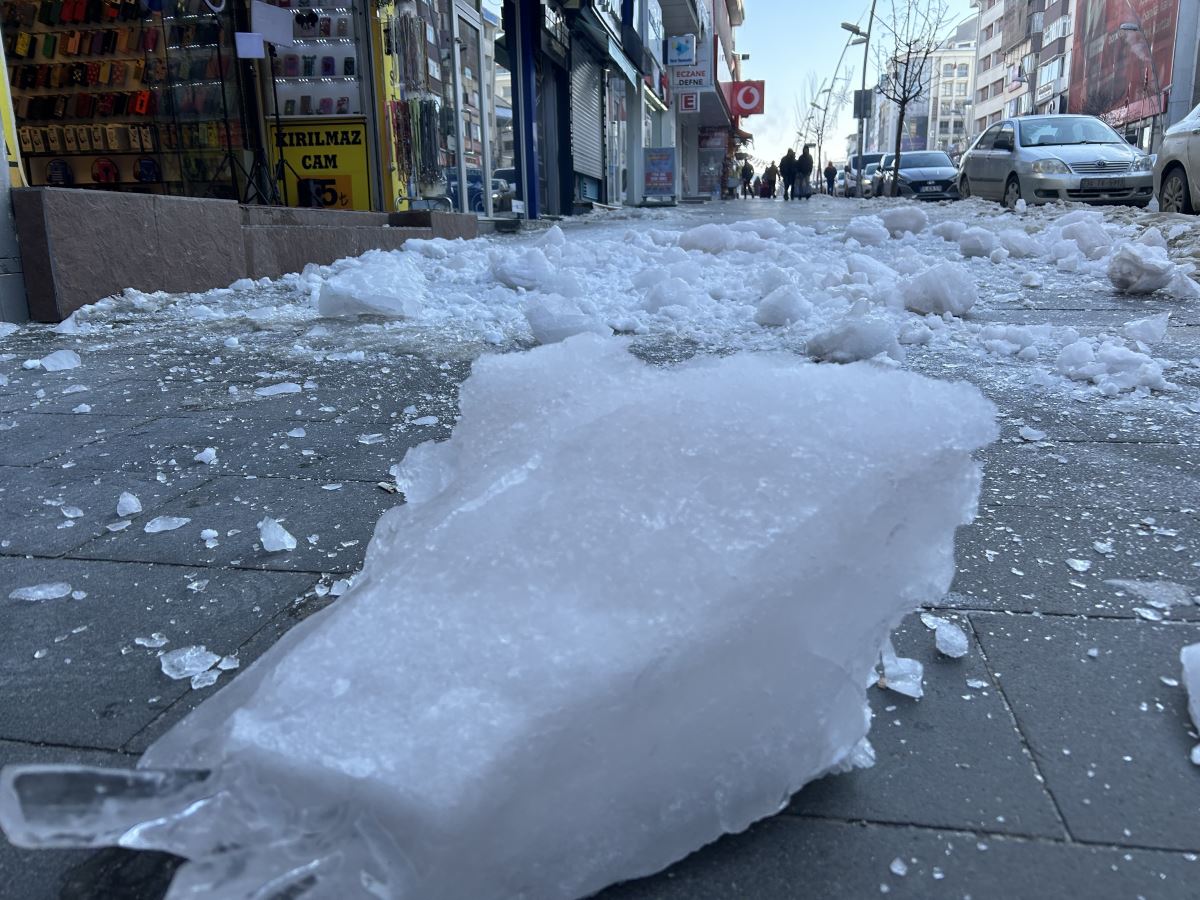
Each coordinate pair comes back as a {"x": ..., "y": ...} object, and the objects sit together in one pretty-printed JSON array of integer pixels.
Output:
[
  {"x": 934, "y": 159},
  {"x": 872, "y": 168},
  {"x": 1059, "y": 130}
]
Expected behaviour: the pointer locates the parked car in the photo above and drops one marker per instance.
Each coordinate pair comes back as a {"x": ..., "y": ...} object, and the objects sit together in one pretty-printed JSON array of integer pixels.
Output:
[
  {"x": 925, "y": 175},
  {"x": 869, "y": 179},
  {"x": 839, "y": 184},
  {"x": 1057, "y": 157},
  {"x": 885, "y": 166},
  {"x": 866, "y": 161},
  {"x": 1177, "y": 169},
  {"x": 475, "y": 200}
]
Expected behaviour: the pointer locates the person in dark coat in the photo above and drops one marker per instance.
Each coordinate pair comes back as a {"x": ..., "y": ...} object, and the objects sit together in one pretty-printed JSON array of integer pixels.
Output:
[
  {"x": 830, "y": 177},
  {"x": 747, "y": 177},
  {"x": 804, "y": 170},
  {"x": 787, "y": 168},
  {"x": 770, "y": 177}
]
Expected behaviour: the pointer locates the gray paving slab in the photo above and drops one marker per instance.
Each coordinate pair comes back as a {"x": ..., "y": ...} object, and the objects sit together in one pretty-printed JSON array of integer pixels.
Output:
[
  {"x": 42, "y": 874},
  {"x": 32, "y": 499},
  {"x": 952, "y": 759},
  {"x": 250, "y": 445},
  {"x": 1016, "y": 558},
  {"x": 27, "y": 439},
  {"x": 70, "y": 671},
  {"x": 342, "y": 521},
  {"x": 1109, "y": 736},
  {"x": 787, "y": 858},
  {"x": 1128, "y": 475}
]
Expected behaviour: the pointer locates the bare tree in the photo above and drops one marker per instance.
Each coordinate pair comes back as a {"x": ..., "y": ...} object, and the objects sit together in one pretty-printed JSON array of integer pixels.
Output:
[{"x": 913, "y": 31}]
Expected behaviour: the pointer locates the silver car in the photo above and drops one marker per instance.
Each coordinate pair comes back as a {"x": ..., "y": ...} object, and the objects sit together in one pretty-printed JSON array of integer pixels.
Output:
[
  {"x": 1177, "y": 169},
  {"x": 1059, "y": 157}
]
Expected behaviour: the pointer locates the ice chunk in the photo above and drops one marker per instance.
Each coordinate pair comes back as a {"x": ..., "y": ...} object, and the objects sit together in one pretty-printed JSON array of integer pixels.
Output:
[
  {"x": 898, "y": 867},
  {"x": 1189, "y": 658},
  {"x": 1150, "y": 330},
  {"x": 71, "y": 512},
  {"x": 187, "y": 661},
  {"x": 1032, "y": 280},
  {"x": 209, "y": 534},
  {"x": 1018, "y": 244},
  {"x": 60, "y": 361},
  {"x": 274, "y": 390},
  {"x": 949, "y": 231},
  {"x": 524, "y": 270},
  {"x": 378, "y": 283},
  {"x": 1031, "y": 434},
  {"x": 205, "y": 679},
  {"x": 1138, "y": 269},
  {"x": 54, "y": 590},
  {"x": 373, "y": 438},
  {"x": 297, "y": 433},
  {"x": 1079, "y": 565},
  {"x": 553, "y": 318},
  {"x": 561, "y": 722},
  {"x": 120, "y": 525},
  {"x": 274, "y": 537},
  {"x": 228, "y": 662},
  {"x": 899, "y": 219},
  {"x": 900, "y": 674},
  {"x": 783, "y": 306},
  {"x": 1159, "y": 594},
  {"x": 976, "y": 242},
  {"x": 208, "y": 456},
  {"x": 165, "y": 523},
  {"x": 856, "y": 339},
  {"x": 1087, "y": 231},
  {"x": 951, "y": 640},
  {"x": 868, "y": 231},
  {"x": 156, "y": 640},
  {"x": 128, "y": 505},
  {"x": 944, "y": 288}
]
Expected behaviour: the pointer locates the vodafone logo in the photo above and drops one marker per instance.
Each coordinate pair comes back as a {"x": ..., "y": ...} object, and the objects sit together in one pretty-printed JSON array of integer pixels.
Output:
[{"x": 746, "y": 98}]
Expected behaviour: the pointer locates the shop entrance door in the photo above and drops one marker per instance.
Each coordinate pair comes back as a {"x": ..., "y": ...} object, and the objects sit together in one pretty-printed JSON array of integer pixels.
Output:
[{"x": 473, "y": 70}]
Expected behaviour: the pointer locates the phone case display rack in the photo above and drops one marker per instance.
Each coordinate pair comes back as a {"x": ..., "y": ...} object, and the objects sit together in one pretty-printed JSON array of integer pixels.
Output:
[
  {"x": 109, "y": 94},
  {"x": 320, "y": 76},
  {"x": 416, "y": 120}
]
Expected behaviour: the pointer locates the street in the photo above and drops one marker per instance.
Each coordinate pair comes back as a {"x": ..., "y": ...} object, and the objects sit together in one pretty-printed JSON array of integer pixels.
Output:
[{"x": 1032, "y": 767}]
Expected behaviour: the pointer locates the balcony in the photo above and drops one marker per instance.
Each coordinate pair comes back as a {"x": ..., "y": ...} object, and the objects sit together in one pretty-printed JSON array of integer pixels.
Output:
[{"x": 737, "y": 12}]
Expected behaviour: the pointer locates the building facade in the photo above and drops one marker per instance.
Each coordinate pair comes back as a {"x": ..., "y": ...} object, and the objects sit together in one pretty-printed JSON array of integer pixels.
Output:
[{"x": 952, "y": 90}]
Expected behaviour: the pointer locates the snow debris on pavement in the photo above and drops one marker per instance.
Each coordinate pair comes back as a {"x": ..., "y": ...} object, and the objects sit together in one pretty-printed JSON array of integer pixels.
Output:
[
  {"x": 528, "y": 694},
  {"x": 274, "y": 537},
  {"x": 128, "y": 505},
  {"x": 900, "y": 674},
  {"x": 1031, "y": 434},
  {"x": 187, "y": 662},
  {"x": 275, "y": 390},
  {"x": 165, "y": 523},
  {"x": 59, "y": 361},
  {"x": 156, "y": 640},
  {"x": 1150, "y": 330},
  {"x": 54, "y": 590},
  {"x": 208, "y": 456},
  {"x": 944, "y": 288},
  {"x": 949, "y": 637},
  {"x": 1138, "y": 269},
  {"x": 378, "y": 283}
]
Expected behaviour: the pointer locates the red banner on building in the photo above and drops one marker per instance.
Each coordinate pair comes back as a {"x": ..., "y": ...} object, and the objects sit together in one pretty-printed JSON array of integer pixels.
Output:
[
  {"x": 745, "y": 98},
  {"x": 1122, "y": 59}
]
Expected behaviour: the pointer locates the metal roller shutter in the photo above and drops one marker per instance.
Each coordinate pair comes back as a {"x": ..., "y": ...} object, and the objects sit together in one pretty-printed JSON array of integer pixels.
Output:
[{"x": 587, "y": 127}]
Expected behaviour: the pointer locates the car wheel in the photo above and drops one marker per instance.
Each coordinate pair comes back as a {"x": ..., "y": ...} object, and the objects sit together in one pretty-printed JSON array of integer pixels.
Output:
[
  {"x": 1173, "y": 194},
  {"x": 964, "y": 188},
  {"x": 1012, "y": 192}
]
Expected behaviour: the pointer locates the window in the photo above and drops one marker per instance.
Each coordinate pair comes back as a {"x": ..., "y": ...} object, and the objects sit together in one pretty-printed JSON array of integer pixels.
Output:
[
  {"x": 960, "y": 90},
  {"x": 943, "y": 127},
  {"x": 987, "y": 32},
  {"x": 948, "y": 70},
  {"x": 963, "y": 70}
]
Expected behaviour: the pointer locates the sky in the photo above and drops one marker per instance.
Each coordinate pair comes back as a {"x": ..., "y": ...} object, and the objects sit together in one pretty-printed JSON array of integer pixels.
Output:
[{"x": 783, "y": 56}]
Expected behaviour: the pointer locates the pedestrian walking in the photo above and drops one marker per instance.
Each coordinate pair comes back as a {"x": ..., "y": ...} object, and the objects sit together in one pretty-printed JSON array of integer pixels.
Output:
[
  {"x": 758, "y": 186},
  {"x": 787, "y": 169},
  {"x": 804, "y": 170},
  {"x": 830, "y": 176},
  {"x": 747, "y": 177},
  {"x": 770, "y": 177}
]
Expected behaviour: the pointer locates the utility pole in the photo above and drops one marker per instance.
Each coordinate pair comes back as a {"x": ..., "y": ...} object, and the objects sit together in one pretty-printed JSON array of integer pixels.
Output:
[{"x": 862, "y": 125}]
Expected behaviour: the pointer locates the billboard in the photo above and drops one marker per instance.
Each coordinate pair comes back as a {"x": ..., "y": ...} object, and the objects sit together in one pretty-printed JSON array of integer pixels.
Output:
[
  {"x": 1121, "y": 59},
  {"x": 745, "y": 98}
]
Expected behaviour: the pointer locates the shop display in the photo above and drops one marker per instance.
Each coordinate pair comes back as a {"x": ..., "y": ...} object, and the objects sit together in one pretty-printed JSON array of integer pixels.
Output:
[
  {"x": 319, "y": 76},
  {"x": 108, "y": 93}
]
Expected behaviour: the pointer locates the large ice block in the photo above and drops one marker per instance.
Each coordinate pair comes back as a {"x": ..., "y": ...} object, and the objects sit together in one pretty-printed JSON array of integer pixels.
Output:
[{"x": 625, "y": 610}]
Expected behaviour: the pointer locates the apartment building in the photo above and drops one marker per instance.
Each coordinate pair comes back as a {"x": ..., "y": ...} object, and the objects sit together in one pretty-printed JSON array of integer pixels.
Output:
[
  {"x": 1023, "y": 24},
  {"x": 1054, "y": 61},
  {"x": 990, "y": 73},
  {"x": 952, "y": 90}
]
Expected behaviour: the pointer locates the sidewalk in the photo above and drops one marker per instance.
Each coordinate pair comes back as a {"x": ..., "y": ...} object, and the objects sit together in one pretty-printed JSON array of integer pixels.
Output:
[{"x": 1030, "y": 768}]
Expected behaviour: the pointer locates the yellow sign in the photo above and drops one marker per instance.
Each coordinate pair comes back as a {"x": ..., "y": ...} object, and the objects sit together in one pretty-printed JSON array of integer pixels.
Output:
[
  {"x": 11, "y": 148},
  {"x": 326, "y": 162}
]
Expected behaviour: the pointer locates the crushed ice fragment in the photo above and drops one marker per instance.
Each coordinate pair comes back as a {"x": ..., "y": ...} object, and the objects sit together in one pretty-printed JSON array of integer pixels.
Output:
[
  {"x": 208, "y": 456},
  {"x": 297, "y": 433},
  {"x": 331, "y": 487},
  {"x": 900, "y": 674},
  {"x": 1031, "y": 434},
  {"x": 71, "y": 512},
  {"x": 205, "y": 679},
  {"x": 951, "y": 640},
  {"x": 1189, "y": 658},
  {"x": 209, "y": 534},
  {"x": 60, "y": 361},
  {"x": 118, "y": 526},
  {"x": 78, "y": 595},
  {"x": 158, "y": 639},
  {"x": 274, "y": 390},
  {"x": 1150, "y": 615},
  {"x": 228, "y": 662},
  {"x": 371, "y": 438},
  {"x": 1103, "y": 547},
  {"x": 340, "y": 587},
  {"x": 426, "y": 420},
  {"x": 128, "y": 505},
  {"x": 976, "y": 683},
  {"x": 274, "y": 537},
  {"x": 1159, "y": 594},
  {"x": 82, "y": 408},
  {"x": 54, "y": 590},
  {"x": 1079, "y": 565},
  {"x": 40, "y": 654},
  {"x": 898, "y": 867},
  {"x": 1093, "y": 652},
  {"x": 187, "y": 661},
  {"x": 165, "y": 523}
]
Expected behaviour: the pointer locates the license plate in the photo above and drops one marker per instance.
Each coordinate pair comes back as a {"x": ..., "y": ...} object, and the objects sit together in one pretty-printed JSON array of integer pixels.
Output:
[
  {"x": 1102, "y": 184},
  {"x": 930, "y": 189}
]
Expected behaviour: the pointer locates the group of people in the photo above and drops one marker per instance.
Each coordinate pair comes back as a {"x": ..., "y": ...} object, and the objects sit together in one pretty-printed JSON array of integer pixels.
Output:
[{"x": 795, "y": 172}]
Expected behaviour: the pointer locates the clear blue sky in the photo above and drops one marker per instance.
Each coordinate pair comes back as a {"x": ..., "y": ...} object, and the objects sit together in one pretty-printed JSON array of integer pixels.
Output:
[{"x": 786, "y": 39}]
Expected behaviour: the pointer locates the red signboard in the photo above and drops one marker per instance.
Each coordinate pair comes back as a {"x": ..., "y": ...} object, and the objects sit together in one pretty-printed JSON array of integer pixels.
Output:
[
  {"x": 1121, "y": 63},
  {"x": 745, "y": 98}
]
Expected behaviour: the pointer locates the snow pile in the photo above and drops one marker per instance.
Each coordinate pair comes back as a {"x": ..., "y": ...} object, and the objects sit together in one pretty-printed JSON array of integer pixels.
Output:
[
  {"x": 1140, "y": 269},
  {"x": 855, "y": 339},
  {"x": 1150, "y": 330},
  {"x": 944, "y": 288},
  {"x": 868, "y": 231},
  {"x": 1111, "y": 366},
  {"x": 1189, "y": 657},
  {"x": 909, "y": 217},
  {"x": 378, "y": 283},
  {"x": 783, "y": 306},
  {"x": 977, "y": 242},
  {"x": 553, "y": 318},
  {"x": 493, "y": 688}
]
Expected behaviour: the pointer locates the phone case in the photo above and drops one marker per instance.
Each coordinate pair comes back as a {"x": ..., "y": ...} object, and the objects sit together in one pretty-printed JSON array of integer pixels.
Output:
[
  {"x": 348, "y": 66},
  {"x": 306, "y": 105},
  {"x": 328, "y": 67},
  {"x": 54, "y": 139},
  {"x": 291, "y": 65},
  {"x": 343, "y": 27},
  {"x": 289, "y": 107},
  {"x": 83, "y": 137},
  {"x": 323, "y": 27},
  {"x": 326, "y": 106},
  {"x": 69, "y": 139},
  {"x": 343, "y": 105}
]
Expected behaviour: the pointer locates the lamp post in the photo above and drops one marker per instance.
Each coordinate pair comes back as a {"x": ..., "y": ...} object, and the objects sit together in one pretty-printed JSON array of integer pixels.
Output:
[
  {"x": 1137, "y": 27},
  {"x": 862, "y": 125}
]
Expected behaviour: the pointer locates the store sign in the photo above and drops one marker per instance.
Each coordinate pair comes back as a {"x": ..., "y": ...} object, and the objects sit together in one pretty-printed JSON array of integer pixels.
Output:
[
  {"x": 713, "y": 138},
  {"x": 745, "y": 97},
  {"x": 655, "y": 31},
  {"x": 695, "y": 77},
  {"x": 659, "y": 164},
  {"x": 687, "y": 102},
  {"x": 681, "y": 50},
  {"x": 327, "y": 163}
]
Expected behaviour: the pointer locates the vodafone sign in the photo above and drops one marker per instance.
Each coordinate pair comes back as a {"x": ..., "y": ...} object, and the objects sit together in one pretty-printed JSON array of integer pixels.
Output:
[{"x": 746, "y": 97}]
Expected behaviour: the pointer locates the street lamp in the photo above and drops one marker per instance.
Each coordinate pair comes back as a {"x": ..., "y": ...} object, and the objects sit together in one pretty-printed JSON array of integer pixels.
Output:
[{"x": 862, "y": 124}]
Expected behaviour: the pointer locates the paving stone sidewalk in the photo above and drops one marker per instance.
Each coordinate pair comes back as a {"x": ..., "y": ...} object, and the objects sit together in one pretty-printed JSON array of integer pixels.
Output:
[{"x": 1034, "y": 767}]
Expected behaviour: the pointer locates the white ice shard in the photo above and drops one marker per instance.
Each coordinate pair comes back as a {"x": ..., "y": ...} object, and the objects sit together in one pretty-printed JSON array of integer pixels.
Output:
[
  {"x": 951, "y": 640},
  {"x": 54, "y": 590},
  {"x": 165, "y": 523},
  {"x": 208, "y": 456},
  {"x": 1189, "y": 658},
  {"x": 128, "y": 505},
  {"x": 1138, "y": 269},
  {"x": 378, "y": 283},
  {"x": 187, "y": 661},
  {"x": 60, "y": 361},
  {"x": 274, "y": 537},
  {"x": 625, "y": 610},
  {"x": 902, "y": 675}
]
